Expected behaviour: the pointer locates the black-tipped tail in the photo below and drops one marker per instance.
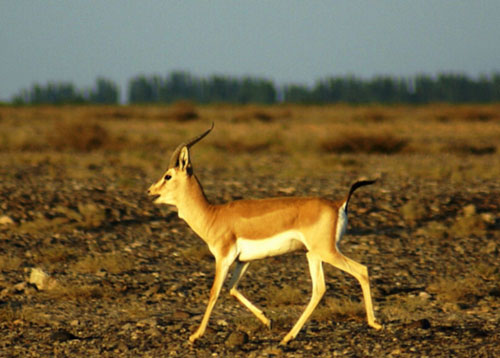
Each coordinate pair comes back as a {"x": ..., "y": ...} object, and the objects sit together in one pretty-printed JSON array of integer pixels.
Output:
[{"x": 355, "y": 186}]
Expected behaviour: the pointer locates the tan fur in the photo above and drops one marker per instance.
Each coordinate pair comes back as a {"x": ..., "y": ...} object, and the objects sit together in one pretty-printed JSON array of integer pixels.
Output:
[{"x": 287, "y": 224}]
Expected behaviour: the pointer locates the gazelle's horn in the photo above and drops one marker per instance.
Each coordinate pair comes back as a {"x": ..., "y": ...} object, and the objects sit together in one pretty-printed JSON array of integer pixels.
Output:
[{"x": 174, "y": 159}]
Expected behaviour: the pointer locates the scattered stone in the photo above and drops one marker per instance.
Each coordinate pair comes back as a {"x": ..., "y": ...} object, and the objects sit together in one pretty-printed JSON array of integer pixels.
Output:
[
  {"x": 222, "y": 322},
  {"x": 180, "y": 315},
  {"x": 236, "y": 339},
  {"x": 490, "y": 247},
  {"x": 488, "y": 218},
  {"x": 92, "y": 214},
  {"x": 126, "y": 327},
  {"x": 41, "y": 280},
  {"x": 287, "y": 190},
  {"x": 19, "y": 287},
  {"x": 469, "y": 210},
  {"x": 424, "y": 295},
  {"x": 63, "y": 335},
  {"x": 6, "y": 221},
  {"x": 424, "y": 323},
  {"x": 153, "y": 332},
  {"x": 151, "y": 322}
]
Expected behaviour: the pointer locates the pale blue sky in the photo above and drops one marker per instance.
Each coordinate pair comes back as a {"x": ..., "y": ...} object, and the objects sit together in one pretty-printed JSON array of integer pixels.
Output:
[{"x": 283, "y": 40}]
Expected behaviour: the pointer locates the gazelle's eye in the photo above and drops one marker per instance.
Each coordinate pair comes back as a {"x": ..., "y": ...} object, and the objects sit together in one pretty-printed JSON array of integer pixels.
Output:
[{"x": 168, "y": 177}]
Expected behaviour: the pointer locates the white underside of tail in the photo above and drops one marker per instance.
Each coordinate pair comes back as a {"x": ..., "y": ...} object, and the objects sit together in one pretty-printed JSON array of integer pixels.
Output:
[
  {"x": 253, "y": 249},
  {"x": 341, "y": 225}
]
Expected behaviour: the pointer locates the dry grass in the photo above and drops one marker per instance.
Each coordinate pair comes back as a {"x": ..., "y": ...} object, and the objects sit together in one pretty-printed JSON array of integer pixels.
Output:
[
  {"x": 19, "y": 315},
  {"x": 54, "y": 255},
  {"x": 405, "y": 309},
  {"x": 458, "y": 290},
  {"x": 92, "y": 215},
  {"x": 264, "y": 114},
  {"x": 436, "y": 230},
  {"x": 339, "y": 309},
  {"x": 78, "y": 293},
  {"x": 58, "y": 224},
  {"x": 182, "y": 111},
  {"x": 10, "y": 263},
  {"x": 468, "y": 223},
  {"x": 9, "y": 314},
  {"x": 196, "y": 253},
  {"x": 362, "y": 142},
  {"x": 447, "y": 113},
  {"x": 284, "y": 296},
  {"x": 243, "y": 146},
  {"x": 464, "y": 149},
  {"x": 240, "y": 140},
  {"x": 374, "y": 114},
  {"x": 413, "y": 211},
  {"x": 78, "y": 135},
  {"x": 310, "y": 138},
  {"x": 113, "y": 263}
]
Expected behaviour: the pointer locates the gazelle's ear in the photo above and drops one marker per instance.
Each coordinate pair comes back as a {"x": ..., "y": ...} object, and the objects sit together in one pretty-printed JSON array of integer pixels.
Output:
[{"x": 184, "y": 162}]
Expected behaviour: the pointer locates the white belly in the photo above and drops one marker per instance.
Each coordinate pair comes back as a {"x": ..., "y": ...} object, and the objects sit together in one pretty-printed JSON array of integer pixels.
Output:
[{"x": 253, "y": 249}]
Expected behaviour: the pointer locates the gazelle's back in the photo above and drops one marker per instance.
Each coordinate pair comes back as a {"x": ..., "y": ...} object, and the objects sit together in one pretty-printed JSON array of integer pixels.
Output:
[{"x": 262, "y": 218}]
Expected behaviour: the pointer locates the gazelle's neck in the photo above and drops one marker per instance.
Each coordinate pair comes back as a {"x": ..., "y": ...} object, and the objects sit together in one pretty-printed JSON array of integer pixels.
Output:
[{"x": 194, "y": 207}]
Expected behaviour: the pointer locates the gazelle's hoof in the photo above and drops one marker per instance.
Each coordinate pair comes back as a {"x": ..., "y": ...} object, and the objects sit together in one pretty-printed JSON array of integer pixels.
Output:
[
  {"x": 285, "y": 340},
  {"x": 376, "y": 325},
  {"x": 269, "y": 324},
  {"x": 193, "y": 337}
]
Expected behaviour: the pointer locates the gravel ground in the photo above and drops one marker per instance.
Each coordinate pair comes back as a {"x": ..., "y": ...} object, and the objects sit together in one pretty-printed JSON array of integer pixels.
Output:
[{"x": 126, "y": 278}]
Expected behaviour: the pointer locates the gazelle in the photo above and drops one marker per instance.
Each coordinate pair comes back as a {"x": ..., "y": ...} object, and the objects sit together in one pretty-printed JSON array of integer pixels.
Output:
[{"x": 245, "y": 230}]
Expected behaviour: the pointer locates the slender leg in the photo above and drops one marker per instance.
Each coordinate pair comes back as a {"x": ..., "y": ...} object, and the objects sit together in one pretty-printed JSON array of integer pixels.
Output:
[
  {"x": 221, "y": 269},
  {"x": 318, "y": 290},
  {"x": 238, "y": 273},
  {"x": 360, "y": 272}
]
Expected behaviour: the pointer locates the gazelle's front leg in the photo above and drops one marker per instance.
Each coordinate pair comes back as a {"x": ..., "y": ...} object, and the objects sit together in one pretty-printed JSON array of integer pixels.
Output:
[{"x": 221, "y": 269}]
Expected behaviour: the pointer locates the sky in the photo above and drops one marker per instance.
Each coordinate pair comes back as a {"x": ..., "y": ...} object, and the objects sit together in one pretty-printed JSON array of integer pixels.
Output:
[{"x": 287, "y": 41}]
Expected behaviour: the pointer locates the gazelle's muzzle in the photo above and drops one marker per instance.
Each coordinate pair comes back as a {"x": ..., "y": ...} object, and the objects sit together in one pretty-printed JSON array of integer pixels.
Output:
[{"x": 151, "y": 192}]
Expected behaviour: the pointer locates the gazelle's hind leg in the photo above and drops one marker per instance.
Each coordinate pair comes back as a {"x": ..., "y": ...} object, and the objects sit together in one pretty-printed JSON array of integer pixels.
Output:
[
  {"x": 238, "y": 273},
  {"x": 360, "y": 272},
  {"x": 318, "y": 290}
]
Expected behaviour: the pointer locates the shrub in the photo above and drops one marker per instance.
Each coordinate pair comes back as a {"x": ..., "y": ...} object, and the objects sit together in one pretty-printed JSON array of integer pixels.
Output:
[
  {"x": 357, "y": 142},
  {"x": 182, "y": 111},
  {"x": 112, "y": 262},
  {"x": 284, "y": 296},
  {"x": 470, "y": 149},
  {"x": 240, "y": 146},
  {"x": 79, "y": 135},
  {"x": 251, "y": 112},
  {"x": 453, "y": 290},
  {"x": 413, "y": 211},
  {"x": 338, "y": 309}
]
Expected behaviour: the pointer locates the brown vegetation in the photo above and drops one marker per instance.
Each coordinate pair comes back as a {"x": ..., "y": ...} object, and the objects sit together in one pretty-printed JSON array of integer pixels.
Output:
[
  {"x": 182, "y": 111},
  {"x": 361, "y": 142},
  {"x": 79, "y": 135},
  {"x": 113, "y": 262},
  {"x": 133, "y": 280}
]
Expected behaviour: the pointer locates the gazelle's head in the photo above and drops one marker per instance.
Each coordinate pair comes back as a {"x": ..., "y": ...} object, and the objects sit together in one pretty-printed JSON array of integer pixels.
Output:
[{"x": 176, "y": 180}]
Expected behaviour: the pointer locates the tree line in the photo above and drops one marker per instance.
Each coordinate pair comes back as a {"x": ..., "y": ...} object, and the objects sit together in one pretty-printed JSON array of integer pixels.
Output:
[
  {"x": 104, "y": 91},
  {"x": 155, "y": 89}
]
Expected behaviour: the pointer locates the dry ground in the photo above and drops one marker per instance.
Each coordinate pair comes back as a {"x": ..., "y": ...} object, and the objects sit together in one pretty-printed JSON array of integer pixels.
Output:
[{"x": 129, "y": 279}]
